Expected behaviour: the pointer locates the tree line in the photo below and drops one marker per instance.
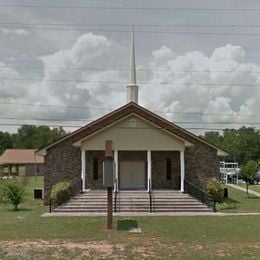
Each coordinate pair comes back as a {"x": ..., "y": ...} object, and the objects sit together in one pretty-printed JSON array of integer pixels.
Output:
[
  {"x": 242, "y": 145},
  {"x": 30, "y": 137}
]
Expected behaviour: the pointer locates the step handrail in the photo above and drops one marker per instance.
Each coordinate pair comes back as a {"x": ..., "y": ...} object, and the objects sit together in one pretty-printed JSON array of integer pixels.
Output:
[
  {"x": 198, "y": 193},
  {"x": 75, "y": 189}
]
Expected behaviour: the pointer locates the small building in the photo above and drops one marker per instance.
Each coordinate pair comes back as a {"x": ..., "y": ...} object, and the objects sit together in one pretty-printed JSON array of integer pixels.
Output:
[
  {"x": 229, "y": 171},
  {"x": 21, "y": 162}
]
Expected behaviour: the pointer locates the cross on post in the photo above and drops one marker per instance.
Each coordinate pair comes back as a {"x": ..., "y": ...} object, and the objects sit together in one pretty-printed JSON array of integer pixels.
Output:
[{"x": 108, "y": 181}]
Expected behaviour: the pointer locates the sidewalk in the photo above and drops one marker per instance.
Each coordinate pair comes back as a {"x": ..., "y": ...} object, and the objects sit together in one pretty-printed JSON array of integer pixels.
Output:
[
  {"x": 144, "y": 214},
  {"x": 257, "y": 194}
]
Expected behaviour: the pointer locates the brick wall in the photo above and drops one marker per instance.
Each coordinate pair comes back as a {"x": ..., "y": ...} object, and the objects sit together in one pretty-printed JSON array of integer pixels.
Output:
[
  {"x": 201, "y": 164},
  {"x": 92, "y": 183},
  {"x": 159, "y": 180},
  {"x": 62, "y": 162}
]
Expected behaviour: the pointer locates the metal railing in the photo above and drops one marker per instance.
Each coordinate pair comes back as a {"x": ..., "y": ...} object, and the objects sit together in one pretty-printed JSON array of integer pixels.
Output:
[
  {"x": 76, "y": 187},
  {"x": 198, "y": 193},
  {"x": 150, "y": 196}
]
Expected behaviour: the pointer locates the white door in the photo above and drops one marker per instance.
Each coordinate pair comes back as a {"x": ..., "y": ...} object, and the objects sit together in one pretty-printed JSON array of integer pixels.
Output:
[{"x": 132, "y": 175}]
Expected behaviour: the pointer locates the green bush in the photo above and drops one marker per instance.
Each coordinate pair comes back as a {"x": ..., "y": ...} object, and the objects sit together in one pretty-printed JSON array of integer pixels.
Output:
[
  {"x": 61, "y": 192},
  {"x": 13, "y": 191},
  {"x": 215, "y": 190}
]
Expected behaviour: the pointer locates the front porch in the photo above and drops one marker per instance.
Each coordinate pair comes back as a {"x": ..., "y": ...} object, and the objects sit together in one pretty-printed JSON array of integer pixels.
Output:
[{"x": 136, "y": 170}]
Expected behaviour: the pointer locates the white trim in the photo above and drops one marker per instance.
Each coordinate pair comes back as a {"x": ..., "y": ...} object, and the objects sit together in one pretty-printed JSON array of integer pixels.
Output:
[
  {"x": 182, "y": 170},
  {"x": 149, "y": 169},
  {"x": 83, "y": 168},
  {"x": 116, "y": 169},
  {"x": 79, "y": 142}
]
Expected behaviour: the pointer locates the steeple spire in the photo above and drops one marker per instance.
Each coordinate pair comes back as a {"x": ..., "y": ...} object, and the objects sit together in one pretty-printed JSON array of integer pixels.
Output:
[
  {"x": 132, "y": 72},
  {"x": 132, "y": 88}
]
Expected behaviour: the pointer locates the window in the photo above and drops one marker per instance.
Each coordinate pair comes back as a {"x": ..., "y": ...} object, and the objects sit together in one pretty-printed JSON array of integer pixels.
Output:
[
  {"x": 168, "y": 169},
  {"x": 95, "y": 168},
  {"x": 132, "y": 122}
]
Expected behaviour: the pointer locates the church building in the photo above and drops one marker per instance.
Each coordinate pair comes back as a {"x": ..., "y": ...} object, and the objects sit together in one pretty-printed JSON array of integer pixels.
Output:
[{"x": 150, "y": 152}]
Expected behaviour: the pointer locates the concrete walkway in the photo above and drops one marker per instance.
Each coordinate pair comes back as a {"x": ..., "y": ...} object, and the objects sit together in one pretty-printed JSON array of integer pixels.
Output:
[
  {"x": 257, "y": 194},
  {"x": 144, "y": 214}
]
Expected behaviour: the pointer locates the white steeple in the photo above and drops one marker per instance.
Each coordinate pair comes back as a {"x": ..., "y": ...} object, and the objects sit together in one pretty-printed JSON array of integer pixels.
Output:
[{"x": 132, "y": 88}]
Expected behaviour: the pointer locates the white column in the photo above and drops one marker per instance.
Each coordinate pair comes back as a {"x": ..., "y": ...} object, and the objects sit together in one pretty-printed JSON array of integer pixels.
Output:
[
  {"x": 83, "y": 168},
  {"x": 182, "y": 170},
  {"x": 116, "y": 169},
  {"x": 149, "y": 170}
]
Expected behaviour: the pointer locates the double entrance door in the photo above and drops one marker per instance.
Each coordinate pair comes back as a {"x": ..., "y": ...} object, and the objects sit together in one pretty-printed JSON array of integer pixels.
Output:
[{"x": 132, "y": 175}]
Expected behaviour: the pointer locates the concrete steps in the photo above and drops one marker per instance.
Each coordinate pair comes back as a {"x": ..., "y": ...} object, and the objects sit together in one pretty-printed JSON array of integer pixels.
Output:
[
  {"x": 176, "y": 201},
  {"x": 95, "y": 201}
]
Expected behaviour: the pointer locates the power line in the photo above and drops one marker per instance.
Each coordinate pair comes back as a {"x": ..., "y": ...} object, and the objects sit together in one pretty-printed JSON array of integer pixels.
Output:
[
  {"x": 128, "y": 128},
  {"x": 57, "y": 106},
  {"x": 110, "y": 109},
  {"x": 90, "y": 120},
  {"x": 136, "y": 31},
  {"x": 48, "y": 119},
  {"x": 141, "y": 82},
  {"x": 135, "y": 8},
  {"x": 125, "y": 69},
  {"x": 130, "y": 25}
]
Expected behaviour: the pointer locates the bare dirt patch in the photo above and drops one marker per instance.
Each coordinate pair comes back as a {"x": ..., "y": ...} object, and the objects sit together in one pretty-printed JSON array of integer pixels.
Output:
[
  {"x": 26, "y": 248},
  {"x": 134, "y": 247}
]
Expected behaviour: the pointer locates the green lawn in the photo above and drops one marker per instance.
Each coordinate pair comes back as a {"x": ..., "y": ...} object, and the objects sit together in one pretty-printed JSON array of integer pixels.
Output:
[
  {"x": 239, "y": 202},
  {"x": 25, "y": 235},
  {"x": 251, "y": 187}
]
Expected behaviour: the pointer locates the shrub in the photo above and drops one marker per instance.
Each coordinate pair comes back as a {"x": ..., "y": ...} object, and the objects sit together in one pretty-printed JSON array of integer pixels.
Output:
[
  {"x": 13, "y": 191},
  {"x": 215, "y": 190},
  {"x": 61, "y": 192}
]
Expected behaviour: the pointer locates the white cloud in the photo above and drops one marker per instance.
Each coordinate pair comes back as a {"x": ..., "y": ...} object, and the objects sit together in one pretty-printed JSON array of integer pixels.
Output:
[
  {"x": 15, "y": 32},
  {"x": 211, "y": 91},
  {"x": 214, "y": 90}
]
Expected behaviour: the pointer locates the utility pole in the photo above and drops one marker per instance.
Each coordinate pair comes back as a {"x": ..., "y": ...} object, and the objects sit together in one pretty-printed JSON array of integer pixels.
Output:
[{"x": 108, "y": 181}]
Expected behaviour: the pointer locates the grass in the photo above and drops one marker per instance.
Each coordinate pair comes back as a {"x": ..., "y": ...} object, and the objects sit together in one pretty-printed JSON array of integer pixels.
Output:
[
  {"x": 161, "y": 238},
  {"x": 239, "y": 202},
  {"x": 251, "y": 187}
]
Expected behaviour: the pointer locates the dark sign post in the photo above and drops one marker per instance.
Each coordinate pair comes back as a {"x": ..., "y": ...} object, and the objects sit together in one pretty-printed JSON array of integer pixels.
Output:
[{"x": 108, "y": 181}]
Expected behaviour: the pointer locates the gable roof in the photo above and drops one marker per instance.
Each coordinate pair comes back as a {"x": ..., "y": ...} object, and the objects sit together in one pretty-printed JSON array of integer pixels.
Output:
[
  {"x": 20, "y": 156},
  {"x": 122, "y": 112}
]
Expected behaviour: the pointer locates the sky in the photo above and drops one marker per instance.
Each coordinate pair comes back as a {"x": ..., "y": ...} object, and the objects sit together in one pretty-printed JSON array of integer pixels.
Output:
[{"x": 66, "y": 62}]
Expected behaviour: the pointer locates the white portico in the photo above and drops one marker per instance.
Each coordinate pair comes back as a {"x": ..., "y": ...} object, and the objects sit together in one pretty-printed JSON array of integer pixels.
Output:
[{"x": 135, "y": 140}]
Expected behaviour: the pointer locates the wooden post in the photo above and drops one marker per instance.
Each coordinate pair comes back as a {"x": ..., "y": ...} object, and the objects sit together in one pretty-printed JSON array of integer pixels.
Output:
[
  {"x": 109, "y": 207},
  {"x": 109, "y": 154}
]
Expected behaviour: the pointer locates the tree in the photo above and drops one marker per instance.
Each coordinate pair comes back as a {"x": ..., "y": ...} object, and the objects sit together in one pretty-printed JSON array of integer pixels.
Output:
[
  {"x": 213, "y": 137},
  {"x": 30, "y": 136},
  {"x": 248, "y": 173},
  {"x": 215, "y": 190},
  {"x": 242, "y": 145},
  {"x": 5, "y": 141},
  {"x": 13, "y": 191}
]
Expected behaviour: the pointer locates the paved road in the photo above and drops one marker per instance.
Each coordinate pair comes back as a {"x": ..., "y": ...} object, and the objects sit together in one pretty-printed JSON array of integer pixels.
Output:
[{"x": 257, "y": 194}]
